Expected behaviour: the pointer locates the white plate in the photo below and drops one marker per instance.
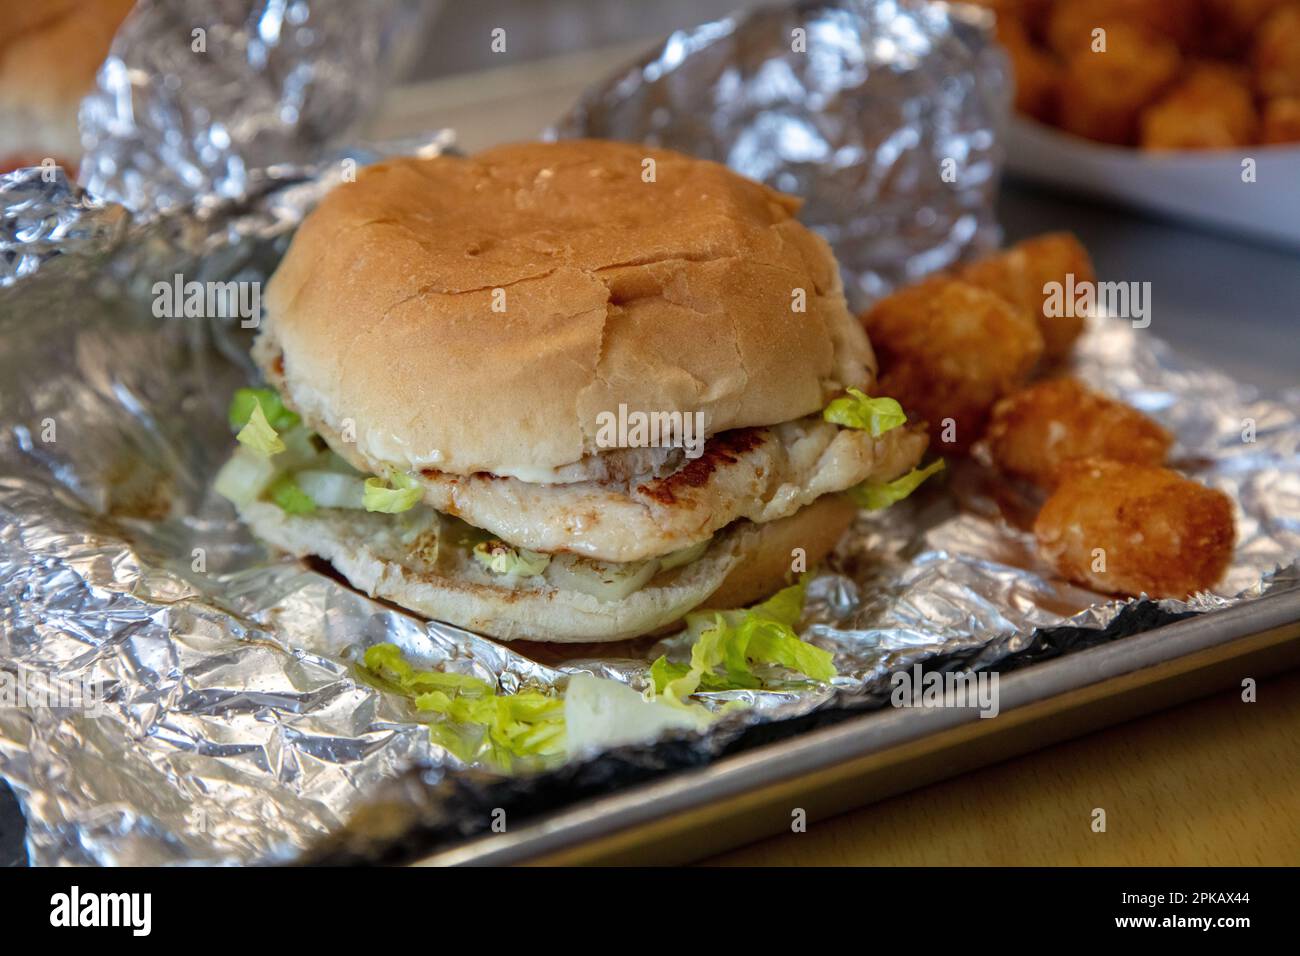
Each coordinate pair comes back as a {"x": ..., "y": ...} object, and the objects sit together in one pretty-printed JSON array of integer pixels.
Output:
[{"x": 1204, "y": 187}]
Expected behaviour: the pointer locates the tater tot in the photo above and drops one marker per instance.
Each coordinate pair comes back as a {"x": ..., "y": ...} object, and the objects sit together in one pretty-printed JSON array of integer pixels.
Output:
[
  {"x": 1210, "y": 108},
  {"x": 1230, "y": 24},
  {"x": 1120, "y": 528},
  {"x": 1276, "y": 54},
  {"x": 1281, "y": 122},
  {"x": 1020, "y": 274},
  {"x": 947, "y": 351},
  {"x": 1034, "y": 432},
  {"x": 1071, "y": 22},
  {"x": 1102, "y": 94},
  {"x": 1037, "y": 75}
]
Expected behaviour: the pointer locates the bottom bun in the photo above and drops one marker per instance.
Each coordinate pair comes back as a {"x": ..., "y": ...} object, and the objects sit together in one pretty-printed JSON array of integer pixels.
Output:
[
  {"x": 767, "y": 567},
  {"x": 744, "y": 563}
]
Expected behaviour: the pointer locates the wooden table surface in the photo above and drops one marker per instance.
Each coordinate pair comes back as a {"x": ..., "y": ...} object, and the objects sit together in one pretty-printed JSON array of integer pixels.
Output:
[{"x": 1213, "y": 782}]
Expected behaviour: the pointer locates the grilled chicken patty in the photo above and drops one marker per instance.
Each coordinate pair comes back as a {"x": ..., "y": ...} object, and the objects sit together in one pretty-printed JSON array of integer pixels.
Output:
[{"x": 761, "y": 474}]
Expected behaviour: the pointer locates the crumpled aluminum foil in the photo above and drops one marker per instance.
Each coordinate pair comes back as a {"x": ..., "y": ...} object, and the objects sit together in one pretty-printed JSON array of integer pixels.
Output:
[
  {"x": 208, "y": 97},
  {"x": 232, "y": 727},
  {"x": 884, "y": 116}
]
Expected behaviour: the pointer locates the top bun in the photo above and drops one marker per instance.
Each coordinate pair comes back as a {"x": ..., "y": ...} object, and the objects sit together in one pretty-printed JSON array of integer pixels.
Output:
[
  {"x": 50, "y": 51},
  {"x": 478, "y": 314}
]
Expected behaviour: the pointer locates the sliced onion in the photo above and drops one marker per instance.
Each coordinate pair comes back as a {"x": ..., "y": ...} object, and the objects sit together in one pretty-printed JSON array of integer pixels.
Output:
[
  {"x": 675, "y": 559},
  {"x": 330, "y": 489},
  {"x": 416, "y": 522},
  {"x": 499, "y": 558},
  {"x": 601, "y": 579},
  {"x": 245, "y": 476}
]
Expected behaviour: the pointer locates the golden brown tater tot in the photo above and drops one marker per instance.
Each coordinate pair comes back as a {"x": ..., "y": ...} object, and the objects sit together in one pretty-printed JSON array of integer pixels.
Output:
[
  {"x": 1210, "y": 108},
  {"x": 1120, "y": 528},
  {"x": 1037, "y": 74},
  {"x": 1102, "y": 94},
  {"x": 1071, "y": 22},
  {"x": 1276, "y": 54},
  {"x": 1020, "y": 274},
  {"x": 1230, "y": 24},
  {"x": 1281, "y": 122},
  {"x": 948, "y": 350},
  {"x": 1034, "y": 432}
]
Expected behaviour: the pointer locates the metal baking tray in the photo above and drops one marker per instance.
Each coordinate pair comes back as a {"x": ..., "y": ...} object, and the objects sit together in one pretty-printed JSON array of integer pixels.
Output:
[{"x": 693, "y": 814}]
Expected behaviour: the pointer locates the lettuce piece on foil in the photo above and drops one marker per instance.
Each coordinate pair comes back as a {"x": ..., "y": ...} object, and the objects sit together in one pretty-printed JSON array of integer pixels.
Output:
[
  {"x": 730, "y": 644},
  {"x": 400, "y": 493},
  {"x": 502, "y": 727},
  {"x": 883, "y": 494},
  {"x": 859, "y": 410},
  {"x": 476, "y": 721}
]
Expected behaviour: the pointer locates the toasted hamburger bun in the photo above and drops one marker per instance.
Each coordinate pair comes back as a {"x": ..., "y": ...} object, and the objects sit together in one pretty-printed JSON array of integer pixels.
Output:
[
  {"x": 479, "y": 314},
  {"x": 742, "y": 565},
  {"x": 50, "y": 51}
]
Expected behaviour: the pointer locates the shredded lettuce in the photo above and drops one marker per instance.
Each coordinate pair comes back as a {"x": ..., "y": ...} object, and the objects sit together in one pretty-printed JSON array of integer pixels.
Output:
[
  {"x": 859, "y": 410},
  {"x": 386, "y": 662},
  {"x": 267, "y": 428},
  {"x": 502, "y": 727},
  {"x": 477, "y": 722},
  {"x": 875, "y": 496},
  {"x": 500, "y": 558},
  {"x": 286, "y": 493},
  {"x": 663, "y": 672},
  {"x": 728, "y": 645},
  {"x": 259, "y": 435},
  {"x": 400, "y": 493},
  {"x": 246, "y": 399}
]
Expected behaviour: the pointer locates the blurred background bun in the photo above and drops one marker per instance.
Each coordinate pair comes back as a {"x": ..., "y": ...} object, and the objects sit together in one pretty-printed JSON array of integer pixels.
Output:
[{"x": 50, "y": 51}]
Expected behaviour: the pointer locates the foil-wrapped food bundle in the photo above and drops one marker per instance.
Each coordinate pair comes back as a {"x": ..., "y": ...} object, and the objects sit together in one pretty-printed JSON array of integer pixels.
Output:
[
  {"x": 249, "y": 706},
  {"x": 884, "y": 117}
]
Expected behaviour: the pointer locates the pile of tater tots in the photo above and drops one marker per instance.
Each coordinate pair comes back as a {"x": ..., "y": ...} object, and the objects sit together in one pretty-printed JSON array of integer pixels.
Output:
[
  {"x": 977, "y": 354},
  {"x": 1160, "y": 74}
]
